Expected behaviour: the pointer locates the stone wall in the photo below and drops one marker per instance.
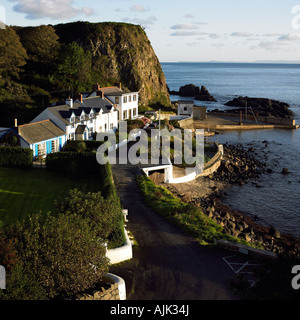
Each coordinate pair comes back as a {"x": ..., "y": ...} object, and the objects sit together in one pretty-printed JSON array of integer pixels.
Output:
[
  {"x": 186, "y": 123},
  {"x": 105, "y": 292},
  {"x": 214, "y": 163}
]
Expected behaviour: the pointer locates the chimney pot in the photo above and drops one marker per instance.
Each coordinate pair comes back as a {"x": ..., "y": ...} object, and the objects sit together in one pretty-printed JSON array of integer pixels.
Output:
[
  {"x": 78, "y": 97},
  {"x": 16, "y": 123}
]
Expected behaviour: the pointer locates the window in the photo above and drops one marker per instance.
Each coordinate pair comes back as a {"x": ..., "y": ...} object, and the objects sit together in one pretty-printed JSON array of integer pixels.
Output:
[
  {"x": 129, "y": 98},
  {"x": 125, "y": 114},
  {"x": 117, "y": 100},
  {"x": 134, "y": 112},
  {"x": 90, "y": 132},
  {"x": 111, "y": 126},
  {"x": 41, "y": 149},
  {"x": 55, "y": 145},
  {"x": 124, "y": 99},
  {"x": 134, "y": 97},
  {"x": 105, "y": 127},
  {"x": 72, "y": 122}
]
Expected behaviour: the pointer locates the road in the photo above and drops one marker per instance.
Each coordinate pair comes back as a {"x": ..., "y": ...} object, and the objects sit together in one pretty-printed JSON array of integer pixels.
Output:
[{"x": 169, "y": 265}]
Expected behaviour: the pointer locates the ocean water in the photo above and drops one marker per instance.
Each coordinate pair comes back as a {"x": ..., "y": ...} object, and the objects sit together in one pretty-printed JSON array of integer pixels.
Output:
[{"x": 277, "y": 202}]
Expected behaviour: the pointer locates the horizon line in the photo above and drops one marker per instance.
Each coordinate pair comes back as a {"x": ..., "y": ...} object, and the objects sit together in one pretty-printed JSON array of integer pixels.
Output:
[{"x": 257, "y": 61}]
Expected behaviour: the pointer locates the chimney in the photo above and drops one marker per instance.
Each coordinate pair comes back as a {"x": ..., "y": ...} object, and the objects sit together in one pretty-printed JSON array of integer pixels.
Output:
[
  {"x": 17, "y": 129},
  {"x": 96, "y": 87},
  {"x": 102, "y": 94},
  {"x": 69, "y": 102},
  {"x": 78, "y": 97},
  {"x": 120, "y": 85}
]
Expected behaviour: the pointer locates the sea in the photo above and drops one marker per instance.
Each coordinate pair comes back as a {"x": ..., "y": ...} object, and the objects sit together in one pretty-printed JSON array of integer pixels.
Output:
[{"x": 276, "y": 202}]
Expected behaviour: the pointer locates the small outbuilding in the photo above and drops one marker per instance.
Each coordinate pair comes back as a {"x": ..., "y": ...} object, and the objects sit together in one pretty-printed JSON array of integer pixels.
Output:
[{"x": 199, "y": 113}]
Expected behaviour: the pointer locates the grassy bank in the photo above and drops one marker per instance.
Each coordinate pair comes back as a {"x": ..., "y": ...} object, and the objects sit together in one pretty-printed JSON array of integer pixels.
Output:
[{"x": 187, "y": 216}]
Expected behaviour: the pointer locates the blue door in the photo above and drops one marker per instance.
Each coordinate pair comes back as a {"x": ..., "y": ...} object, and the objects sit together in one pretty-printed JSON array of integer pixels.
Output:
[
  {"x": 49, "y": 147},
  {"x": 60, "y": 143}
]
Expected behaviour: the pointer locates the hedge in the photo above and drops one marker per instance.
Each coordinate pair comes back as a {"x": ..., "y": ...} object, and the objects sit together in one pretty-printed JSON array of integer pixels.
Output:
[
  {"x": 83, "y": 145},
  {"x": 74, "y": 163},
  {"x": 16, "y": 157}
]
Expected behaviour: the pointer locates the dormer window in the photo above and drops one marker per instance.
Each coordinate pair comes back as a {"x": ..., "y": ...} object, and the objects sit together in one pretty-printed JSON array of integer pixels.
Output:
[
  {"x": 82, "y": 117},
  {"x": 72, "y": 120}
]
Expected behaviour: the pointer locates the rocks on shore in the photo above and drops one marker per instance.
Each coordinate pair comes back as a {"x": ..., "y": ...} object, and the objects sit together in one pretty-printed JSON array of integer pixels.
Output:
[
  {"x": 262, "y": 106},
  {"x": 190, "y": 90},
  {"x": 238, "y": 166}
]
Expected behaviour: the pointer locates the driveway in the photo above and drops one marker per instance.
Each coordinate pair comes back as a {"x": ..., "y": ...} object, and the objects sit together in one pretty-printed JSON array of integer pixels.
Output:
[{"x": 168, "y": 265}]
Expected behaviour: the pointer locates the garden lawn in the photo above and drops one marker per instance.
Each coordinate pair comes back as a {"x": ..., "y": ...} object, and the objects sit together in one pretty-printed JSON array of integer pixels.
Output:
[{"x": 24, "y": 192}]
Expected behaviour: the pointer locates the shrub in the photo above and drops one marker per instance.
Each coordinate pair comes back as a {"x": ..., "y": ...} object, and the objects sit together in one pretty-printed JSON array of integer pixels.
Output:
[
  {"x": 73, "y": 163},
  {"x": 80, "y": 146},
  {"x": 16, "y": 157},
  {"x": 103, "y": 215},
  {"x": 61, "y": 256}
]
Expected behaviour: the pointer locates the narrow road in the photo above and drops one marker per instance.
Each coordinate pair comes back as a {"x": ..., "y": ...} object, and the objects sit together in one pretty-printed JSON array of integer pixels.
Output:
[{"x": 170, "y": 266}]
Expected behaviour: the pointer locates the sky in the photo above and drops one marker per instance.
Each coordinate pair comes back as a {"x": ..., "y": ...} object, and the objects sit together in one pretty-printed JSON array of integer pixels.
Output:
[{"x": 183, "y": 30}]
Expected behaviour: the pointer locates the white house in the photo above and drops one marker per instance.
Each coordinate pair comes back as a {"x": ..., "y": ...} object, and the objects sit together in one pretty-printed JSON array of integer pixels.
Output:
[
  {"x": 126, "y": 102},
  {"x": 96, "y": 111},
  {"x": 42, "y": 137},
  {"x": 185, "y": 108}
]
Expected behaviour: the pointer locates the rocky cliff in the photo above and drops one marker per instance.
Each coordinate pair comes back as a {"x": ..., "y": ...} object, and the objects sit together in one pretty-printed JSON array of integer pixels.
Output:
[{"x": 121, "y": 52}]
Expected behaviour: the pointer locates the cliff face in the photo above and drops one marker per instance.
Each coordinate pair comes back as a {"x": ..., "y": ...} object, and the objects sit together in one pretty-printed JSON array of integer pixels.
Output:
[{"x": 121, "y": 52}]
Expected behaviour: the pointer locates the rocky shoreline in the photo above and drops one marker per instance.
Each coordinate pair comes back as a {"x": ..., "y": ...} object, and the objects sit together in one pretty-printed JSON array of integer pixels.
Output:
[
  {"x": 239, "y": 166},
  {"x": 261, "y": 106}
]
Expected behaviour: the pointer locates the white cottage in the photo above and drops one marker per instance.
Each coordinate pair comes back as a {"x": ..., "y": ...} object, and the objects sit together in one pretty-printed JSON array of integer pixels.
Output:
[
  {"x": 42, "y": 137},
  {"x": 126, "y": 102},
  {"x": 185, "y": 108},
  {"x": 96, "y": 111}
]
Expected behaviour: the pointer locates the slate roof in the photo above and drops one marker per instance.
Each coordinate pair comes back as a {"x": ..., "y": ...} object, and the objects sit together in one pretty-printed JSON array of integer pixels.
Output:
[
  {"x": 64, "y": 112},
  {"x": 112, "y": 91},
  {"x": 39, "y": 131}
]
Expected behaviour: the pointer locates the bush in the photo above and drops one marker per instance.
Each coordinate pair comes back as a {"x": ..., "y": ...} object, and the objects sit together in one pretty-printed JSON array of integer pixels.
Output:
[
  {"x": 80, "y": 146},
  {"x": 16, "y": 157},
  {"x": 103, "y": 215},
  {"x": 60, "y": 256},
  {"x": 73, "y": 163},
  {"x": 134, "y": 124}
]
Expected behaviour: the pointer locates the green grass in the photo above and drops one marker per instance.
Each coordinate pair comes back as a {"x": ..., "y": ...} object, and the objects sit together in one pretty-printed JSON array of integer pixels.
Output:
[
  {"x": 185, "y": 215},
  {"x": 24, "y": 192}
]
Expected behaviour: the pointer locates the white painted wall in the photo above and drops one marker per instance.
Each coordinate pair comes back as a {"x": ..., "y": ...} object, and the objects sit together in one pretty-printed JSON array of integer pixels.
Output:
[
  {"x": 122, "y": 253},
  {"x": 128, "y": 106},
  {"x": 181, "y": 109}
]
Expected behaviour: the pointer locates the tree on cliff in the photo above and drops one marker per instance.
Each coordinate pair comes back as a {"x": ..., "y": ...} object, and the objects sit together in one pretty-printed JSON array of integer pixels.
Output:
[
  {"x": 12, "y": 54},
  {"x": 42, "y": 46},
  {"x": 75, "y": 67}
]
